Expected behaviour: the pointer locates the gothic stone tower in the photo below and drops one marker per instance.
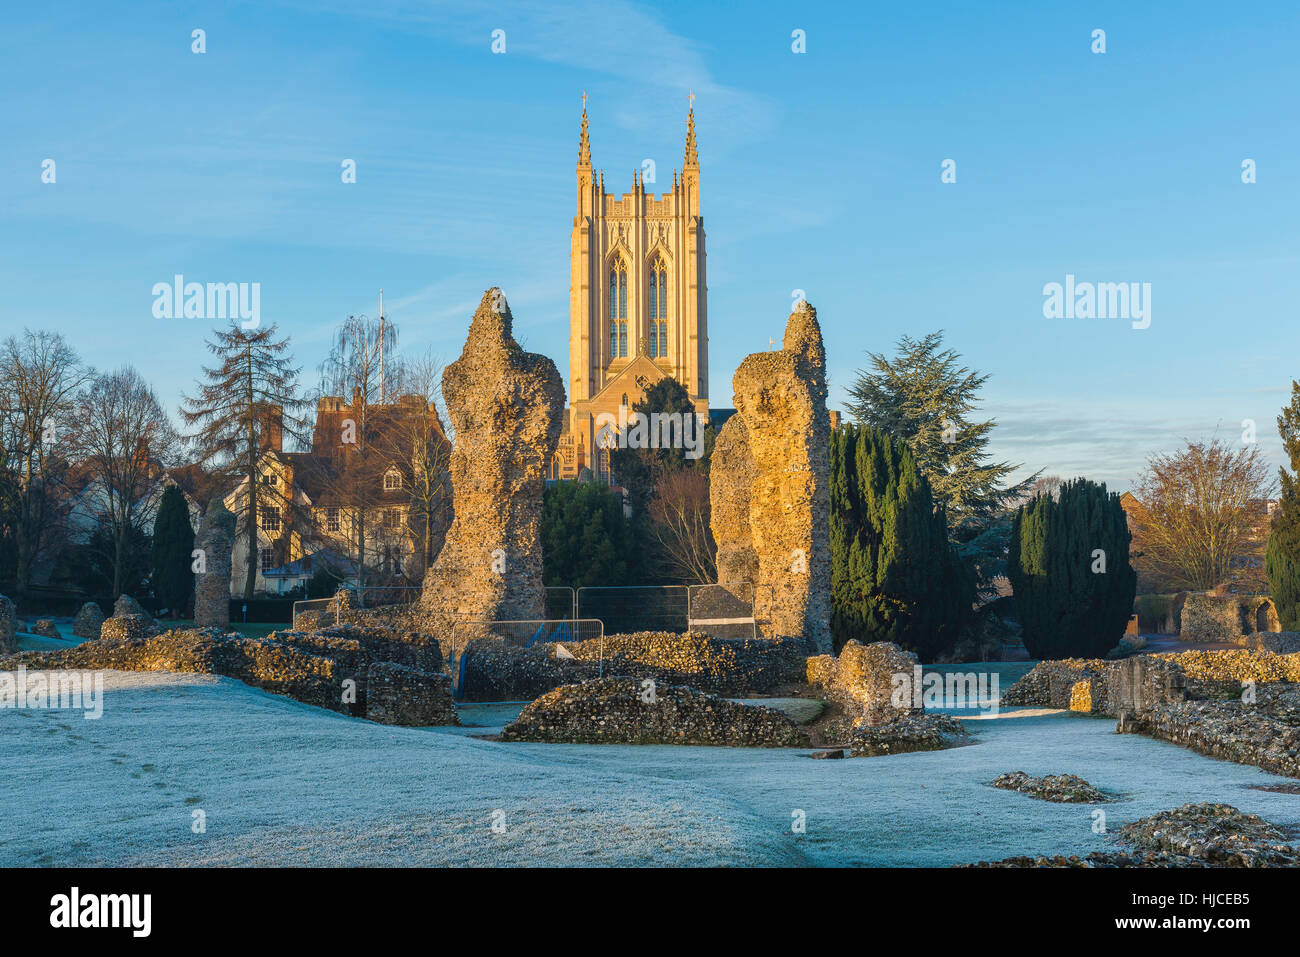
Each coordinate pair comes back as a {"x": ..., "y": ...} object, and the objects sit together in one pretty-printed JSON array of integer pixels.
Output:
[{"x": 637, "y": 297}]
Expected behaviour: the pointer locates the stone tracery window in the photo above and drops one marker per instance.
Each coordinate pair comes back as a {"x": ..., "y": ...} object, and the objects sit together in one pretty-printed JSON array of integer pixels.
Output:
[
  {"x": 658, "y": 282},
  {"x": 618, "y": 310}
]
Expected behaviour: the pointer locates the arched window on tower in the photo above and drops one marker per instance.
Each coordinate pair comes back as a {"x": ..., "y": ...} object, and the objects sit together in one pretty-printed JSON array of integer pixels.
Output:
[
  {"x": 618, "y": 310},
  {"x": 658, "y": 308}
]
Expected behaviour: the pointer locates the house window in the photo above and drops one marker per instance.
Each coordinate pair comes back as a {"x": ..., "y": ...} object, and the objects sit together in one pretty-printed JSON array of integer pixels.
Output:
[
  {"x": 332, "y": 519},
  {"x": 390, "y": 518},
  {"x": 266, "y": 559},
  {"x": 268, "y": 479},
  {"x": 270, "y": 518},
  {"x": 392, "y": 480},
  {"x": 658, "y": 309}
]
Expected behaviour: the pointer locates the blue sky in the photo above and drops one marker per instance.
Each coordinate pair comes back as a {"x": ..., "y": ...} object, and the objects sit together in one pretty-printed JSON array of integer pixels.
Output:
[{"x": 820, "y": 171}]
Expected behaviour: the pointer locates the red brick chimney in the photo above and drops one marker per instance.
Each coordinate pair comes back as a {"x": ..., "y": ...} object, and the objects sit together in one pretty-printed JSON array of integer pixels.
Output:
[{"x": 273, "y": 429}]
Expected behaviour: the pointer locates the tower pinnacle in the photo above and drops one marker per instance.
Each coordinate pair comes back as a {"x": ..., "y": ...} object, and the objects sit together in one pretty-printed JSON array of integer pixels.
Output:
[
  {"x": 584, "y": 144},
  {"x": 691, "y": 158}
]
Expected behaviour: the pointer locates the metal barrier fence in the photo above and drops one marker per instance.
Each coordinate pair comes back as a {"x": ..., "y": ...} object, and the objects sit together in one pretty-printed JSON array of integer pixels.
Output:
[
  {"x": 723, "y": 611},
  {"x": 561, "y": 602},
  {"x": 373, "y": 595},
  {"x": 629, "y": 608},
  {"x": 315, "y": 604},
  {"x": 370, "y": 597},
  {"x": 524, "y": 634}
]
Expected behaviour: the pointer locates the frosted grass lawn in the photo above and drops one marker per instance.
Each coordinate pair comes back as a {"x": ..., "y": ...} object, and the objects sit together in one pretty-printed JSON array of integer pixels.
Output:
[{"x": 282, "y": 783}]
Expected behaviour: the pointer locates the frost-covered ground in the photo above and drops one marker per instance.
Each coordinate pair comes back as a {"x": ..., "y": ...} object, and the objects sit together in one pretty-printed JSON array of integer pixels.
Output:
[{"x": 284, "y": 783}]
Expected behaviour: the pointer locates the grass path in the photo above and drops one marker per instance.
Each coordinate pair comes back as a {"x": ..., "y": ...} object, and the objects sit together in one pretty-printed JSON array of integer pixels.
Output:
[{"x": 284, "y": 783}]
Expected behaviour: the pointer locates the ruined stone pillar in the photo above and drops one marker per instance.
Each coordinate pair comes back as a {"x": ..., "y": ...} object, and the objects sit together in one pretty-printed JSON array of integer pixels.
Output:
[
  {"x": 212, "y": 585},
  {"x": 781, "y": 398},
  {"x": 731, "y": 480},
  {"x": 506, "y": 408}
]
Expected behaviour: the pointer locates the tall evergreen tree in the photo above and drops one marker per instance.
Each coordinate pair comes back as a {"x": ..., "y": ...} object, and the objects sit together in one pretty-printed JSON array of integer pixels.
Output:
[
  {"x": 1282, "y": 557},
  {"x": 585, "y": 538},
  {"x": 1070, "y": 570},
  {"x": 173, "y": 545},
  {"x": 244, "y": 405},
  {"x": 925, "y": 397},
  {"x": 894, "y": 576}
]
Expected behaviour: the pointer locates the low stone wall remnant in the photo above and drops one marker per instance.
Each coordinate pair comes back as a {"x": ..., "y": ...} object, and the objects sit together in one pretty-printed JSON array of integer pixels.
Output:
[
  {"x": 862, "y": 677},
  {"x": 861, "y": 681},
  {"x": 1265, "y": 734},
  {"x": 1215, "y": 618},
  {"x": 622, "y": 710},
  {"x": 396, "y": 694},
  {"x": 1194, "y": 835},
  {"x": 497, "y": 670},
  {"x": 122, "y": 627},
  {"x": 1059, "y": 788},
  {"x": 327, "y": 669},
  {"x": 8, "y": 626},
  {"x": 906, "y": 731},
  {"x": 89, "y": 621}
]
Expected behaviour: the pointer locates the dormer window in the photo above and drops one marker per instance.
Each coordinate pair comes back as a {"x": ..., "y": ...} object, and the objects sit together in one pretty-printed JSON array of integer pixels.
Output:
[{"x": 392, "y": 480}]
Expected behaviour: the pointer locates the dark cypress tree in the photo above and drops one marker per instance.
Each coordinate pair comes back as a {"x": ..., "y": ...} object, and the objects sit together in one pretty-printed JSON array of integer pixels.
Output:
[
  {"x": 1070, "y": 570},
  {"x": 585, "y": 538},
  {"x": 1282, "y": 557},
  {"x": 173, "y": 545},
  {"x": 894, "y": 576}
]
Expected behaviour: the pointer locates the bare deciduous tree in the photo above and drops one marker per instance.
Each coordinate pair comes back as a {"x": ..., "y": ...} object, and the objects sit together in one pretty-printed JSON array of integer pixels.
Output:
[
  {"x": 39, "y": 378},
  {"x": 679, "y": 524},
  {"x": 358, "y": 367},
  {"x": 415, "y": 443},
  {"x": 125, "y": 440},
  {"x": 1203, "y": 520}
]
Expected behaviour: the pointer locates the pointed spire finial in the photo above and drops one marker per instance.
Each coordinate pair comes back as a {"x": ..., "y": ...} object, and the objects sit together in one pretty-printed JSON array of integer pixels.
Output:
[
  {"x": 584, "y": 144},
  {"x": 692, "y": 159}
]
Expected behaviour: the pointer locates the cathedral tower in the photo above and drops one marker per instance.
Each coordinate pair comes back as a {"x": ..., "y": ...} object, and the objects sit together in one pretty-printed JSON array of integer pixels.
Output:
[{"x": 637, "y": 296}]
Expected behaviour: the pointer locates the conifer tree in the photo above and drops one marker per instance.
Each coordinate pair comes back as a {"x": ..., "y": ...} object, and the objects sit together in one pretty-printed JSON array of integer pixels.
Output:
[
  {"x": 173, "y": 544},
  {"x": 586, "y": 540},
  {"x": 924, "y": 397},
  {"x": 894, "y": 576},
  {"x": 1282, "y": 557},
  {"x": 1070, "y": 570},
  {"x": 244, "y": 405}
]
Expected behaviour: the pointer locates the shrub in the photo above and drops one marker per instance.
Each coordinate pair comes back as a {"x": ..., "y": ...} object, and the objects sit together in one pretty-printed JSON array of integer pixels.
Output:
[
  {"x": 1069, "y": 606},
  {"x": 586, "y": 540},
  {"x": 1153, "y": 611},
  {"x": 173, "y": 543},
  {"x": 1282, "y": 565},
  {"x": 1282, "y": 556},
  {"x": 894, "y": 576}
]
